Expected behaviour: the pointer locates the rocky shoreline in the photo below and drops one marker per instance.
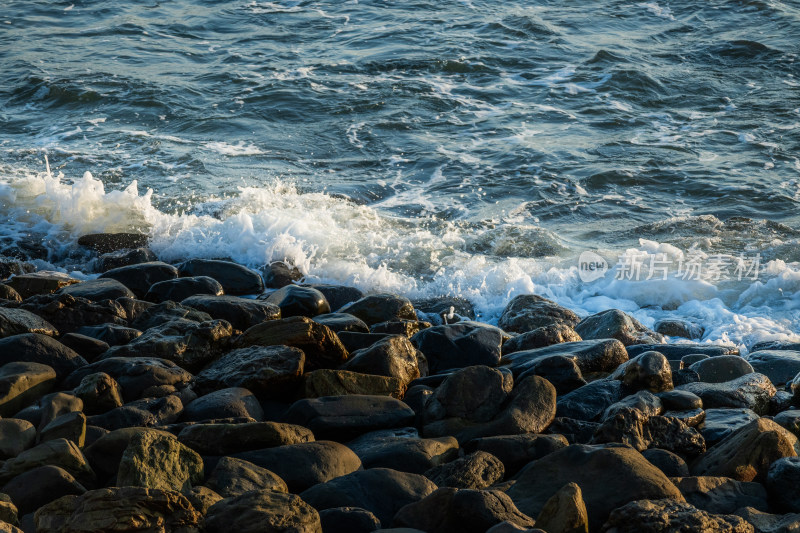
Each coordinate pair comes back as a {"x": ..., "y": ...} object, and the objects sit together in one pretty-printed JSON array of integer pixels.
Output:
[{"x": 207, "y": 397}]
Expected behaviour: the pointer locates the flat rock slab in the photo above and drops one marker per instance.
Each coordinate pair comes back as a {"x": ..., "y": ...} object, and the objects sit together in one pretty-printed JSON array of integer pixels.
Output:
[
  {"x": 345, "y": 417},
  {"x": 98, "y": 289},
  {"x": 268, "y": 371},
  {"x": 242, "y": 313},
  {"x": 780, "y": 366},
  {"x": 751, "y": 391},
  {"x": 227, "y": 439},
  {"x": 603, "y": 355},
  {"x": 21, "y": 384},
  {"x": 17, "y": 321}
]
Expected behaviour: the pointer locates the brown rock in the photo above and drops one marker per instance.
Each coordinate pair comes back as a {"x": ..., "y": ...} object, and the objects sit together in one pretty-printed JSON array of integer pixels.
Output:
[
  {"x": 393, "y": 356},
  {"x": 565, "y": 512},
  {"x": 69, "y": 313},
  {"x": 666, "y": 516},
  {"x": 23, "y": 383},
  {"x": 17, "y": 321},
  {"x": 527, "y": 312},
  {"x": 233, "y": 477},
  {"x": 541, "y": 337},
  {"x": 261, "y": 512},
  {"x": 155, "y": 461},
  {"x": 226, "y": 439},
  {"x": 42, "y": 282},
  {"x": 326, "y": 382},
  {"x": 322, "y": 347}
]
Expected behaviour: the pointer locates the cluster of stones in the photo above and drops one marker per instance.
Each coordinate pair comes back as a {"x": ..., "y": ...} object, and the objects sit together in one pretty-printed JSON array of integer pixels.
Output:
[{"x": 168, "y": 398}]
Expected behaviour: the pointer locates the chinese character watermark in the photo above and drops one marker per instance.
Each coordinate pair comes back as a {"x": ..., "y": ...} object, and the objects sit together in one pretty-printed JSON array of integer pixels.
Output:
[{"x": 695, "y": 265}]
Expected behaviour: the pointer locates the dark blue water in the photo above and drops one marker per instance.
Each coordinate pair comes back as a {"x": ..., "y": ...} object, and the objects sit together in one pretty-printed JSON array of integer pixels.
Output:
[{"x": 460, "y": 147}]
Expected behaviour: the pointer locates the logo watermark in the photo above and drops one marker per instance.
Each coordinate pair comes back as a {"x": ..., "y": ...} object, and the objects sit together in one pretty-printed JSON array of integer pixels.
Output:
[
  {"x": 591, "y": 266},
  {"x": 693, "y": 265}
]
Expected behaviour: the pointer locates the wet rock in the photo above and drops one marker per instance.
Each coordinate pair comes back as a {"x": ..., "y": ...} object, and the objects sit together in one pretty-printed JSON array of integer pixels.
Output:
[
  {"x": 563, "y": 372},
  {"x": 680, "y": 400},
  {"x": 745, "y": 454},
  {"x": 156, "y": 461},
  {"x": 70, "y": 426},
  {"x": 112, "y": 242},
  {"x": 660, "y": 516},
  {"x": 684, "y": 376},
  {"x": 111, "y": 334},
  {"x": 474, "y": 393},
  {"x": 782, "y": 401},
  {"x": 377, "y": 308},
  {"x": 644, "y": 401},
  {"x": 673, "y": 327},
  {"x": 674, "y": 352},
  {"x": 459, "y": 345},
  {"x": 752, "y": 391},
  {"x": 451, "y": 510},
  {"x": 719, "y": 423},
  {"x": 477, "y": 470},
  {"x": 327, "y": 382},
  {"x": 234, "y": 278},
  {"x": 527, "y": 312},
  {"x": 783, "y": 484},
  {"x": 515, "y": 451},
  {"x": 392, "y": 356},
  {"x": 780, "y": 366},
  {"x": 721, "y": 495},
  {"x": 590, "y": 401},
  {"x": 354, "y": 340},
  {"x": 616, "y": 324},
  {"x": 8, "y": 512},
  {"x": 321, "y": 346},
  {"x": 97, "y": 289},
  {"x": 134, "y": 374},
  {"x": 339, "y": 322},
  {"x": 668, "y": 462},
  {"x": 147, "y": 412},
  {"x": 603, "y": 355},
  {"x": 403, "y": 451},
  {"x": 42, "y": 282},
  {"x": 16, "y": 436},
  {"x": 180, "y": 289},
  {"x": 121, "y": 509},
  {"x": 770, "y": 523},
  {"x": 268, "y": 371},
  {"x": 126, "y": 257},
  {"x": 445, "y": 309},
  {"x": 225, "y": 403},
  {"x": 8, "y": 293},
  {"x": 790, "y": 420},
  {"x": 139, "y": 278},
  {"x": 59, "y": 452},
  {"x": 348, "y": 520},
  {"x": 279, "y": 274},
  {"x": 688, "y": 360},
  {"x": 40, "y": 486},
  {"x": 609, "y": 476},
  {"x": 565, "y": 511},
  {"x": 69, "y": 313},
  {"x": 632, "y": 427},
  {"x": 540, "y": 338},
  {"x": 226, "y": 439},
  {"x": 775, "y": 345},
  {"x": 261, "y": 511},
  {"x": 343, "y": 417},
  {"x": 294, "y": 300},
  {"x": 18, "y": 321},
  {"x": 338, "y": 295},
  {"x": 648, "y": 370},
  {"x": 379, "y": 490},
  {"x": 306, "y": 464},
  {"x": 23, "y": 383},
  {"x": 242, "y": 313},
  {"x": 722, "y": 368},
  {"x": 693, "y": 418},
  {"x": 233, "y": 477},
  {"x": 190, "y": 345},
  {"x": 99, "y": 393},
  {"x": 154, "y": 315}
]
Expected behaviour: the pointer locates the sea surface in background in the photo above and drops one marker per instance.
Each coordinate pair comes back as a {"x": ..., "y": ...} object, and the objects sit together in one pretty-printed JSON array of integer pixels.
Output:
[{"x": 464, "y": 148}]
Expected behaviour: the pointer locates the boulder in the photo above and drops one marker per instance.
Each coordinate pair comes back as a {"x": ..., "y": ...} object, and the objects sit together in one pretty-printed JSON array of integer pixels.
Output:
[
  {"x": 563, "y": 372},
  {"x": 202, "y": 498},
  {"x": 674, "y": 327},
  {"x": 609, "y": 477},
  {"x": 721, "y": 368},
  {"x": 262, "y": 511},
  {"x": 752, "y": 391},
  {"x": 661, "y": 516},
  {"x": 541, "y": 338},
  {"x": 87, "y": 347},
  {"x": 590, "y": 401},
  {"x": 69, "y": 313},
  {"x": 354, "y": 340},
  {"x": 267, "y": 371},
  {"x": 190, "y": 345},
  {"x": 157, "y": 461},
  {"x": 747, "y": 453},
  {"x": 459, "y": 345},
  {"x": 119, "y": 509},
  {"x": 783, "y": 484},
  {"x": 139, "y": 278},
  {"x": 477, "y": 470},
  {"x": 37, "y": 348},
  {"x": 134, "y": 374},
  {"x": 111, "y": 334},
  {"x": 242, "y": 313},
  {"x": 105, "y": 454},
  {"x": 126, "y": 257},
  {"x": 770, "y": 523},
  {"x": 279, "y": 274},
  {"x": 648, "y": 371},
  {"x": 16, "y": 436},
  {"x": 474, "y": 393},
  {"x": 515, "y": 451},
  {"x": 305, "y": 464},
  {"x": 721, "y": 495},
  {"x": 640, "y": 431},
  {"x": 445, "y": 309},
  {"x": 616, "y": 324},
  {"x": 527, "y": 312},
  {"x": 97, "y": 289},
  {"x": 227, "y": 439},
  {"x": 780, "y": 366},
  {"x": 327, "y": 382},
  {"x": 565, "y": 511},
  {"x": 644, "y": 401},
  {"x": 59, "y": 452},
  {"x": 42, "y": 282},
  {"x": 338, "y": 295},
  {"x": 381, "y": 491},
  {"x": 70, "y": 426},
  {"x": 179, "y": 289},
  {"x": 322, "y": 347},
  {"x": 377, "y": 308},
  {"x": 23, "y": 383},
  {"x": 7, "y": 293},
  {"x": 233, "y": 477},
  {"x": 234, "y": 278},
  {"x": 674, "y": 352},
  {"x": 790, "y": 420},
  {"x": 147, "y": 412},
  {"x": 40, "y": 486},
  {"x": 407, "y": 328},
  {"x": 339, "y": 322},
  {"x": 233, "y": 402},
  {"x": 392, "y": 356},
  {"x": 153, "y": 315},
  {"x": 603, "y": 355},
  {"x": 719, "y": 423},
  {"x": 403, "y": 450},
  {"x": 14, "y": 321},
  {"x": 99, "y": 393},
  {"x": 668, "y": 462},
  {"x": 343, "y": 417},
  {"x": 348, "y": 520},
  {"x": 680, "y": 400},
  {"x": 294, "y": 300}
]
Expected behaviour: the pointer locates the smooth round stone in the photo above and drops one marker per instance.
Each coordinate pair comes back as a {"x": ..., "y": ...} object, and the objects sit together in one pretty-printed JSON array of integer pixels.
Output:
[
  {"x": 721, "y": 368},
  {"x": 670, "y": 463},
  {"x": 783, "y": 484},
  {"x": 680, "y": 400},
  {"x": 720, "y": 423},
  {"x": 692, "y": 358}
]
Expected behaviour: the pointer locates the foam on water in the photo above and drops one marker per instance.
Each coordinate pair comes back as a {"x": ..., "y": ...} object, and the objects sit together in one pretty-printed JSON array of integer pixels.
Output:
[{"x": 335, "y": 240}]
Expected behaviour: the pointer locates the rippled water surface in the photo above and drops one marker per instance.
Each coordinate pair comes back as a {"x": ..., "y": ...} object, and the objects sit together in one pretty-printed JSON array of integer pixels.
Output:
[{"x": 460, "y": 147}]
